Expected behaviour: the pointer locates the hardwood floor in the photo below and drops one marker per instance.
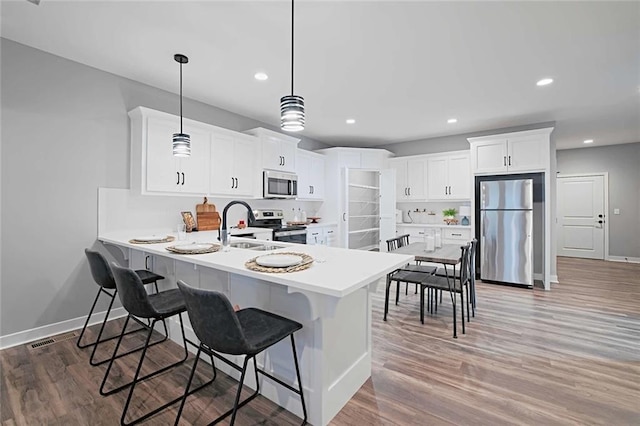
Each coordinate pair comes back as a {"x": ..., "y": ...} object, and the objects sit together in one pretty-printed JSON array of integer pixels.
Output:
[{"x": 569, "y": 356}]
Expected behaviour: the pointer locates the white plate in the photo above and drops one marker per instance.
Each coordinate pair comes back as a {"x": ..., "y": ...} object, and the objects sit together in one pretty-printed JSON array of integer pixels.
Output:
[
  {"x": 150, "y": 238},
  {"x": 187, "y": 247},
  {"x": 278, "y": 260}
]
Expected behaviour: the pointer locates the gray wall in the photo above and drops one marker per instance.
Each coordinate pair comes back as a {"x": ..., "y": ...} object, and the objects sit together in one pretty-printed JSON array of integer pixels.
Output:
[
  {"x": 65, "y": 132},
  {"x": 452, "y": 143},
  {"x": 622, "y": 162}
]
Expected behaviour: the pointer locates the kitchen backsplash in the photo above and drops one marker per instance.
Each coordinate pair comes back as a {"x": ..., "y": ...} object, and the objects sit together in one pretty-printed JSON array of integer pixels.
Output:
[
  {"x": 436, "y": 208},
  {"x": 120, "y": 209}
]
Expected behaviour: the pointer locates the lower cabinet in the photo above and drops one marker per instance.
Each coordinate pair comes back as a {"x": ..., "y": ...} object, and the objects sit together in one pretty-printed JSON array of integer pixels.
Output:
[
  {"x": 448, "y": 235},
  {"x": 322, "y": 235}
]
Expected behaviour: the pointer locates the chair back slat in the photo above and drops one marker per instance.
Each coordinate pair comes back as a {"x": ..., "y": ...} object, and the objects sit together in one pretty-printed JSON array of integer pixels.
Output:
[
  {"x": 100, "y": 270},
  {"x": 397, "y": 242},
  {"x": 214, "y": 321},
  {"x": 465, "y": 263},
  {"x": 132, "y": 293}
]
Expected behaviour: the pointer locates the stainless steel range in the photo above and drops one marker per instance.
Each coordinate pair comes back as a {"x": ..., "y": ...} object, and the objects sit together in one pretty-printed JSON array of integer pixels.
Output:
[{"x": 273, "y": 218}]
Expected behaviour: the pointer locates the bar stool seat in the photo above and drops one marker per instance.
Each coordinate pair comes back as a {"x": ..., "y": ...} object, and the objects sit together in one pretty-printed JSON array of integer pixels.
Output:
[
  {"x": 247, "y": 332},
  {"x": 156, "y": 308},
  {"x": 263, "y": 329},
  {"x": 103, "y": 277}
]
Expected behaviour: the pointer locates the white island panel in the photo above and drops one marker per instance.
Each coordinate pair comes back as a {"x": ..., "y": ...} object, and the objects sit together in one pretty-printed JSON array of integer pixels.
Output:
[{"x": 332, "y": 299}]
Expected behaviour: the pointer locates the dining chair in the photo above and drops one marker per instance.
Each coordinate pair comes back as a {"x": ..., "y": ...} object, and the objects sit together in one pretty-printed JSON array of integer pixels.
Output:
[
  {"x": 454, "y": 285},
  {"x": 471, "y": 284},
  {"x": 103, "y": 277},
  {"x": 248, "y": 332},
  {"x": 157, "y": 308},
  {"x": 401, "y": 241}
]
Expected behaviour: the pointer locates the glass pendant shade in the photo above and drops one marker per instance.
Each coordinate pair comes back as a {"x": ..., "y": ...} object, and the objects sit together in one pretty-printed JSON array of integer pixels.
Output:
[
  {"x": 181, "y": 141},
  {"x": 181, "y": 145},
  {"x": 292, "y": 113}
]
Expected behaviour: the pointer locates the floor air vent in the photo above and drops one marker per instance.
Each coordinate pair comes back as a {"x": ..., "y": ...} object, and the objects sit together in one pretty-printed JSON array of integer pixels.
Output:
[{"x": 51, "y": 340}]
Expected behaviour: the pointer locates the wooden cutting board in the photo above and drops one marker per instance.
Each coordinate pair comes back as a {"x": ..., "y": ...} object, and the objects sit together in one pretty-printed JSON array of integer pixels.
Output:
[{"x": 207, "y": 216}]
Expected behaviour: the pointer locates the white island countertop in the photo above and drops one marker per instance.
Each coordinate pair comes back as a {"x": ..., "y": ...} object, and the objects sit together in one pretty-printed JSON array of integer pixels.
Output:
[{"x": 336, "y": 272}]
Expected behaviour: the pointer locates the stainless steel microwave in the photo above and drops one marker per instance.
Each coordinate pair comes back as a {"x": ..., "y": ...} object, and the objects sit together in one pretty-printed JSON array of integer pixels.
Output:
[{"x": 280, "y": 184}]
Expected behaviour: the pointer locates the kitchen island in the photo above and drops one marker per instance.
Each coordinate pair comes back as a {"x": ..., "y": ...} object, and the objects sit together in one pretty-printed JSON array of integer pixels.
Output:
[{"x": 332, "y": 299}]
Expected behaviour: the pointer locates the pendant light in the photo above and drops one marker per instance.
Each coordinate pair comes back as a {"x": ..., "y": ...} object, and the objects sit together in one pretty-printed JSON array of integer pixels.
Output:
[
  {"x": 181, "y": 141},
  {"x": 292, "y": 106}
]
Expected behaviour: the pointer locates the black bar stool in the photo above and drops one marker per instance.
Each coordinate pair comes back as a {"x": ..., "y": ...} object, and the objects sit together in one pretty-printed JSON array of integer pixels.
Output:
[
  {"x": 245, "y": 332},
  {"x": 155, "y": 307},
  {"x": 103, "y": 277}
]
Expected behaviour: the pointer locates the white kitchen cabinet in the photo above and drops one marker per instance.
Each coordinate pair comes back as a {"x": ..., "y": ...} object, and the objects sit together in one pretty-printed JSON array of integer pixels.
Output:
[
  {"x": 449, "y": 235},
  {"x": 310, "y": 171},
  {"x": 154, "y": 169},
  {"x": 322, "y": 235},
  {"x": 449, "y": 177},
  {"x": 278, "y": 150},
  {"x": 411, "y": 178},
  {"x": 517, "y": 152},
  {"x": 233, "y": 165},
  {"x": 357, "y": 158},
  {"x": 333, "y": 209}
]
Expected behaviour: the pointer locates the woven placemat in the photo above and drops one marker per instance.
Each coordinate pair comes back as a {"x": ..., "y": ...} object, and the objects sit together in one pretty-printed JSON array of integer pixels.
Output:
[
  {"x": 166, "y": 239},
  {"x": 212, "y": 249},
  {"x": 306, "y": 263}
]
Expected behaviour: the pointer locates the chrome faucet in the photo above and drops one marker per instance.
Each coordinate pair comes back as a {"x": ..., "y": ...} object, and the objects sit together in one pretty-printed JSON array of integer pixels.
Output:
[{"x": 222, "y": 232}]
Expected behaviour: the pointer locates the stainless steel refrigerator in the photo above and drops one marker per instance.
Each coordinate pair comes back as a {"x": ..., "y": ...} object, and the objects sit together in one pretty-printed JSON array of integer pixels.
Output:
[{"x": 506, "y": 227}]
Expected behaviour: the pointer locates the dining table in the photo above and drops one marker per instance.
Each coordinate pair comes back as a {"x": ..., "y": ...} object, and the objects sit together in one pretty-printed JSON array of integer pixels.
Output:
[{"x": 449, "y": 255}]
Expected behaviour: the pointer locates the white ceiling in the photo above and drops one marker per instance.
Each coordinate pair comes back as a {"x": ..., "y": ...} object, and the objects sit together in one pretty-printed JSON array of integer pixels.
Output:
[{"x": 401, "y": 69}]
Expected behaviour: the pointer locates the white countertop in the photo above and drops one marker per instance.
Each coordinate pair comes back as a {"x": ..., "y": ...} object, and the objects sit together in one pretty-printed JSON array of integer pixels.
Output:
[
  {"x": 336, "y": 271},
  {"x": 428, "y": 225},
  {"x": 321, "y": 224}
]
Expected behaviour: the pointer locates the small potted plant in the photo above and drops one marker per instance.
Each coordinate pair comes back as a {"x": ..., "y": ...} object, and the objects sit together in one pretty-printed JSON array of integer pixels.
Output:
[{"x": 449, "y": 216}]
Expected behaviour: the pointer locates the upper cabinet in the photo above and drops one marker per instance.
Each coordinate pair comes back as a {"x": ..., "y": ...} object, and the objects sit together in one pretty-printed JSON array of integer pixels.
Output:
[
  {"x": 526, "y": 151},
  {"x": 154, "y": 169},
  {"x": 310, "y": 171},
  {"x": 234, "y": 164},
  {"x": 449, "y": 177},
  {"x": 357, "y": 158},
  {"x": 278, "y": 150},
  {"x": 411, "y": 178}
]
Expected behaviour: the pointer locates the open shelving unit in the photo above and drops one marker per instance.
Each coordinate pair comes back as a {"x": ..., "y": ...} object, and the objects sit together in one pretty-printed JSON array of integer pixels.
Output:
[{"x": 363, "y": 213}]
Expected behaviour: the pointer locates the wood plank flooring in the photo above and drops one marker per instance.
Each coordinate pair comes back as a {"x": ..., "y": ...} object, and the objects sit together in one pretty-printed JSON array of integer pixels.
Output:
[{"x": 569, "y": 356}]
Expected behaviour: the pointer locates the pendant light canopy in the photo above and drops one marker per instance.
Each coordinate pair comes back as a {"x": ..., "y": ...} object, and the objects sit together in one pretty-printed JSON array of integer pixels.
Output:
[
  {"x": 292, "y": 106},
  {"x": 181, "y": 141}
]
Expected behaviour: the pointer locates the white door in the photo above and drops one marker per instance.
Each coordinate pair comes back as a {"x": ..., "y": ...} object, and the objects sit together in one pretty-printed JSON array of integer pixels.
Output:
[
  {"x": 416, "y": 179},
  {"x": 387, "y": 207},
  {"x": 526, "y": 153},
  {"x": 222, "y": 165},
  {"x": 438, "y": 178},
  {"x": 402, "y": 190},
  {"x": 162, "y": 167},
  {"x": 581, "y": 216},
  {"x": 489, "y": 156},
  {"x": 459, "y": 177}
]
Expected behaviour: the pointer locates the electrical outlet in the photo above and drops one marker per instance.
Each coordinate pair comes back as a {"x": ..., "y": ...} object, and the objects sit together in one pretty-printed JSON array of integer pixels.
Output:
[{"x": 616, "y": 211}]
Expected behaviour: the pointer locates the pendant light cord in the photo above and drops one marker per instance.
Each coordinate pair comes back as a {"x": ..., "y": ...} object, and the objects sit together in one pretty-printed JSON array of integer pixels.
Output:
[
  {"x": 181, "y": 97},
  {"x": 292, "y": 47}
]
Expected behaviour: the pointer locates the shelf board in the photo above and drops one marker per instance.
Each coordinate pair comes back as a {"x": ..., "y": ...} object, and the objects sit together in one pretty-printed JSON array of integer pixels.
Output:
[
  {"x": 356, "y": 185},
  {"x": 360, "y": 231}
]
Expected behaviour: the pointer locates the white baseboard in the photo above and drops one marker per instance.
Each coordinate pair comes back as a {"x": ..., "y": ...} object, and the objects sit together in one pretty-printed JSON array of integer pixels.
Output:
[
  {"x": 625, "y": 259},
  {"x": 26, "y": 336},
  {"x": 554, "y": 279}
]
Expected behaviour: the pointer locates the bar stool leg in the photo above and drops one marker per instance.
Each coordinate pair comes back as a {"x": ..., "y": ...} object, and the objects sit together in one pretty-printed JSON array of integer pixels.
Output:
[
  {"x": 86, "y": 323},
  {"x": 295, "y": 360}
]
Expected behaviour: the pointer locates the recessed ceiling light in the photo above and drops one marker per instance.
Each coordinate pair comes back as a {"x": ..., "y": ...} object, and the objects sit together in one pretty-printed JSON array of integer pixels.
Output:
[
  {"x": 588, "y": 141},
  {"x": 452, "y": 120},
  {"x": 261, "y": 76},
  {"x": 544, "y": 82},
  {"x": 350, "y": 121}
]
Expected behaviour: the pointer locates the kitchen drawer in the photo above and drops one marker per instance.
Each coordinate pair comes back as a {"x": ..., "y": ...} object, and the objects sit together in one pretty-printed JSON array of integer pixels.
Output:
[{"x": 456, "y": 235}]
